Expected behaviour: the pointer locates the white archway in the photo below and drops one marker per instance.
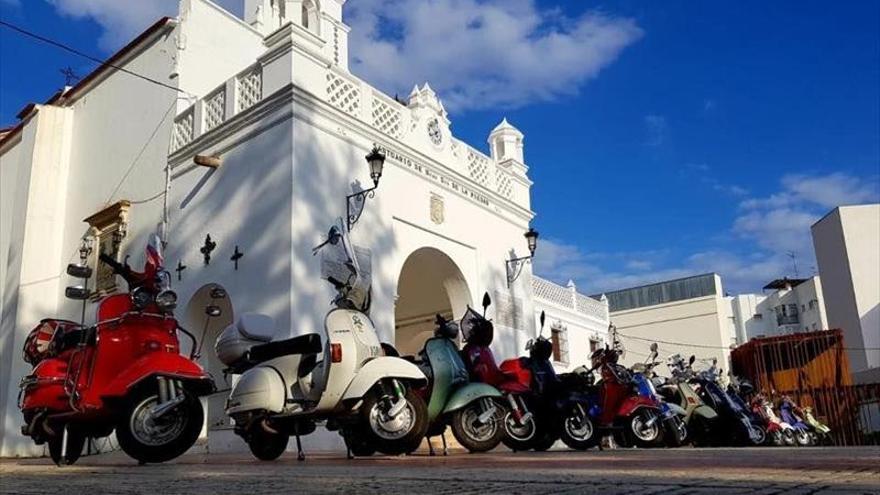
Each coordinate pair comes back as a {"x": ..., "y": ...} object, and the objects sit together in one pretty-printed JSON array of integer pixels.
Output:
[
  {"x": 206, "y": 329},
  {"x": 429, "y": 283}
]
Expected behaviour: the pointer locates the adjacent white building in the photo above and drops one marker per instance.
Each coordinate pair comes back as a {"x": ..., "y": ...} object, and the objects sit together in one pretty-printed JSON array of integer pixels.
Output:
[
  {"x": 105, "y": 163},
  {"x": 787, "y": 306},
  {"x": 847, "y": 244},
  {"x": 687, "y": 316}
]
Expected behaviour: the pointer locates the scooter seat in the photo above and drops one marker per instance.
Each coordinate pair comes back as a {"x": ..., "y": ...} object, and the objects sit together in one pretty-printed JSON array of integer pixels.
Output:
[
  {"x": 304, "y": 344},
  {"x": 256, "y": 326}
]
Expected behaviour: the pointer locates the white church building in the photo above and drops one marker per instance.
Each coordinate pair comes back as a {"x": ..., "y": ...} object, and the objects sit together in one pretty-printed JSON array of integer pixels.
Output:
[{"x": 253, "y": 132}]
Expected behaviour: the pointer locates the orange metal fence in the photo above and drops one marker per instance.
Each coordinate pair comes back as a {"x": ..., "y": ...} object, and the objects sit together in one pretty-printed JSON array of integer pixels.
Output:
[{"x": 813, "y": 369}]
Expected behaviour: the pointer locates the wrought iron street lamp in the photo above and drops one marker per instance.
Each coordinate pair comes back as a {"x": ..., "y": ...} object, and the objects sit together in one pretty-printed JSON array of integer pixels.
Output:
[
  {"x": 354, "y": 203},
  {"x": 515, "y": 266}
]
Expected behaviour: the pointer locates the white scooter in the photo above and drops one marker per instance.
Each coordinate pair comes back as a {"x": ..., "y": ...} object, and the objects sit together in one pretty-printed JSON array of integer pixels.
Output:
[{"x": 286, "y": 387}]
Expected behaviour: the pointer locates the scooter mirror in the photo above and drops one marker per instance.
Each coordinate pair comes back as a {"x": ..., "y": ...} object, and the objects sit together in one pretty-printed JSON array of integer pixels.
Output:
[
  {"x": 543, "y": 318},
  {"x": 79, "y": 271},
  {"x": 487, "y": 301},
  {"x": 218, "y": 293},
  {"x": 78, "y": 293},
  {"x": 692, "y": 359},
  {"x": 653, "y": 347},
  {"x": 213, "y": 311}
]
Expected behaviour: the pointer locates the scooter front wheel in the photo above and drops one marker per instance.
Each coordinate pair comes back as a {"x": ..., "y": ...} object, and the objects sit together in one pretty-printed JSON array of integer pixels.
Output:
[
  {"x": 148, "y": 438},
  {"x": 803, "y": 438},
  {"x": 579, "y": 432},
  {"x": 399, "y": 434},
  {"x": 519, "y": 435},
  {"x": 644, "y": 427},
  {"x": 476, "y": 435}
]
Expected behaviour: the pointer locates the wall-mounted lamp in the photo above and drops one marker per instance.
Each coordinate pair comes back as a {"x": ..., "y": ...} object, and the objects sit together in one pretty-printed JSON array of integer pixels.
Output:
[
  {"x": 354, "y": 203},
  {"x": 515, "y": 266}
]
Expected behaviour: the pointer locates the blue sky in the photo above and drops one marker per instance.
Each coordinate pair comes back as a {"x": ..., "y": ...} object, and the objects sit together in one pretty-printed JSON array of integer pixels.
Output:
[{"x": 664, "y": 138}]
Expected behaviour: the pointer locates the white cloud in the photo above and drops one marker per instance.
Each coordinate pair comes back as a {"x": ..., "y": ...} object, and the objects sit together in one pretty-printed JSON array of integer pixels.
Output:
[
  {"x": 122, "y": 20},
  {"x": 765, "y": 232},
  {"x": 482, "y": 53},
  {"x": 655, "y": 127},
  {"x": 781, "y": 222}
]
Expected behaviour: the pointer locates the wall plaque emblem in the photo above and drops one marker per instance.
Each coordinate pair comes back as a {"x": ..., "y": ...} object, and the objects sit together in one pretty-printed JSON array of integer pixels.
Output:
[{"x": 437, "y": 209}]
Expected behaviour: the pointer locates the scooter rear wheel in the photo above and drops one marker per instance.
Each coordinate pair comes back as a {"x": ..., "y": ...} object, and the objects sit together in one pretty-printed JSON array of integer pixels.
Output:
[{"x": 146, "y": 439}]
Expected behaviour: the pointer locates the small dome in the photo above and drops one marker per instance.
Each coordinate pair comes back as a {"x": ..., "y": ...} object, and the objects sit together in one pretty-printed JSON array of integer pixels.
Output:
[{"x": 505, "y": 126}]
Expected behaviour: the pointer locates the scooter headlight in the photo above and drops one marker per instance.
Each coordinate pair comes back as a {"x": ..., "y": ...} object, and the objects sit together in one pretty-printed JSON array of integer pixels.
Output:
[
  {"x": 140, "y": 298},
  {"x": 166, "y": 300}
]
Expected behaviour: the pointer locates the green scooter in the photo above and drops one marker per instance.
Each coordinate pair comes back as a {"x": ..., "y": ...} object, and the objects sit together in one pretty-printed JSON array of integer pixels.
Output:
[
  {"x": 822, "y": 431},
  {"x": 475, "y": 411}
]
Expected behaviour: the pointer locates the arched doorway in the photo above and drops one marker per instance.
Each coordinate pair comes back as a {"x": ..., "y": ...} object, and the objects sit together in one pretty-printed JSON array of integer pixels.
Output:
[
  {"x": 429, "y": 283},
  {"x": 207, "y": 326}
]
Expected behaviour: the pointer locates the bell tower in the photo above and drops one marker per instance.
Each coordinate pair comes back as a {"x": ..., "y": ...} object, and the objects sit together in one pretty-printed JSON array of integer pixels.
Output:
[
  {"x": 322, "y": 19},
  {"x": 506, "y": 143}
]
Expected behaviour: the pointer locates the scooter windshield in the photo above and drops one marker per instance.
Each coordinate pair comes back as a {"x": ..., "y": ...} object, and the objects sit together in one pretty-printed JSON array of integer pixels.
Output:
[{"x": 348, "y": 268}]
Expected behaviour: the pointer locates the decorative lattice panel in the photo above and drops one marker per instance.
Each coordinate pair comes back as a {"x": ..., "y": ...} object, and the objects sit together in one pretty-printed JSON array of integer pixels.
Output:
[
  {"x": 478, "y": 168},
  {"x": 553, "y": 293},
  {"x": 215, "y": 109},
  {"x": 343, "y": 94},
  {"x": 591, "y": 307},
  {"x": 386, "y": 118},
  {"x": 502, "y": 180},
  {"x": 182, "y": 132},
  {"x": 249, "y": 88}
]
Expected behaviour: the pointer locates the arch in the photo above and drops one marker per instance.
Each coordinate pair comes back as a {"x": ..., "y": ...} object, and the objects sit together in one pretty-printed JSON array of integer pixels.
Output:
[
  {"x": 429, "y": 283},
  {"x": 206, "y": 329},
  {"x": 309, "y": 17}
]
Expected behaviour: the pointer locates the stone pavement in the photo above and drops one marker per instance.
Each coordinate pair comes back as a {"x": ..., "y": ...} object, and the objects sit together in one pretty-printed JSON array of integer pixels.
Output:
[{"x": 686, "y": 470}]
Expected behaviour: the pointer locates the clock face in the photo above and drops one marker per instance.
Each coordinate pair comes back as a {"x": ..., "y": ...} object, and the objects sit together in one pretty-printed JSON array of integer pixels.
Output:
[{"x": 434, "y": 132}]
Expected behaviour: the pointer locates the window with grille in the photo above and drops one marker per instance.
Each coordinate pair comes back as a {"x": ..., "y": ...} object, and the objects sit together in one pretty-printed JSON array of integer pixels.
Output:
[{"x": 559, "y": 339}]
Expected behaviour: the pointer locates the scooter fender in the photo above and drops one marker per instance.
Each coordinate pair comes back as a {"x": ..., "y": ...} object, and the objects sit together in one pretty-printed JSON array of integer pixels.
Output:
[
  {"x": 705, "y": 411},
  {"x": 259, "y": 389},
  {"x": 635, "y": 402},
  {"x": 469, "y": 393},
  {"x": 160, "y": 364},
  {"x": 380, "y": 368},
  {"x": 676, "y": 409}
]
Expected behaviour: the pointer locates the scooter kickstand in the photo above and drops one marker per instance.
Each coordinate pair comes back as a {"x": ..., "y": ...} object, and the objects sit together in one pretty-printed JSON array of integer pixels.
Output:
[
  {"x": 300, "y": 456},
  {"x": 430, "y": 447},
  {"x": 443, "y": 438}
]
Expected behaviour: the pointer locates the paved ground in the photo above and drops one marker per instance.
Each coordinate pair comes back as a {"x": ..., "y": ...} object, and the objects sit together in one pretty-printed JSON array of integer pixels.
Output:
[{"x": 716, "y": 471}]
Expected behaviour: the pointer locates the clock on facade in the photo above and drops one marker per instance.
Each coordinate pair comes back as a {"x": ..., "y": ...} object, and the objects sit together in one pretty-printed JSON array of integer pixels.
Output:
[{"x": 434, "y": 132}]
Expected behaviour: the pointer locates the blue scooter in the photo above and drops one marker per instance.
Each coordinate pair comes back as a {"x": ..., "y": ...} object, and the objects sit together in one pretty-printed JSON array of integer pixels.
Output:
[{"x": 675, "y": 428}]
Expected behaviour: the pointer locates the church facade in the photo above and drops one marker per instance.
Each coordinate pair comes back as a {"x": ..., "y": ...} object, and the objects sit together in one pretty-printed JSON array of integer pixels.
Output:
[{"x": 241, "y": 149}]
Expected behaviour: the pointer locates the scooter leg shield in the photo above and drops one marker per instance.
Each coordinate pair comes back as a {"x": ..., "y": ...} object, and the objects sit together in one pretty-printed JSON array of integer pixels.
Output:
[{"x": 259, "y": 389}]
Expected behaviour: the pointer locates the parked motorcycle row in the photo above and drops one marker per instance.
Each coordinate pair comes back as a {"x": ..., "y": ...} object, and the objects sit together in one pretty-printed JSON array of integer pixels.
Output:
[{"x": 126, "y": 374}]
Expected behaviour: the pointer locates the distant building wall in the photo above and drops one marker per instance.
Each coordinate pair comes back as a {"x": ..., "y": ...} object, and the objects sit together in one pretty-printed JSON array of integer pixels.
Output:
[
  {"x": 846, "y": 241},
  {"x": 685, "y": 316}
]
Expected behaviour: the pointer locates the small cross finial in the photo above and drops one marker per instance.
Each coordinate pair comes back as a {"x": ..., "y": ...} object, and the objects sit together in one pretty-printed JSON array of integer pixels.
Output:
[
  {"x": 207, "y": 248},
  {"x": 70, "y": 76},
  {"x": 237, "y": 255},
  {"x": 180, "y": 268}
]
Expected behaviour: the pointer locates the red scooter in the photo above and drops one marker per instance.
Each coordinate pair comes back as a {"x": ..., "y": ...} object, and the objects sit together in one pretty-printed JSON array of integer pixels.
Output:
[
  {"x": 513, "y": 378},
  {"x": 124, "y": 373},
  {"x": 633, "y": 418}
]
